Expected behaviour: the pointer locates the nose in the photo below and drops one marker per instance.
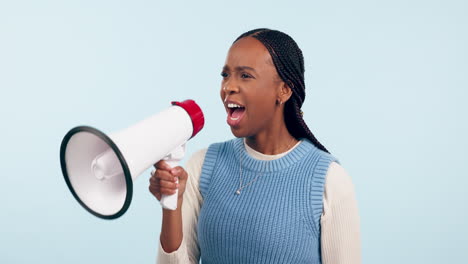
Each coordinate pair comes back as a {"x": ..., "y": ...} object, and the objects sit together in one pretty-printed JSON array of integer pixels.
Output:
[
  {"x": 230, "y": 88},
  {"x": 227, "y": 90}
]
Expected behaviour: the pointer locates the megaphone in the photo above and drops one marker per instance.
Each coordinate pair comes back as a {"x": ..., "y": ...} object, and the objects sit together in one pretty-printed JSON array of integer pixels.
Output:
[{"x": 99, "y": 169}]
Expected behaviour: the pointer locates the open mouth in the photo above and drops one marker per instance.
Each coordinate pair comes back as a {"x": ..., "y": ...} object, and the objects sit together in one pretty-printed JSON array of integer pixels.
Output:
[{"x": 235, "y": 111}]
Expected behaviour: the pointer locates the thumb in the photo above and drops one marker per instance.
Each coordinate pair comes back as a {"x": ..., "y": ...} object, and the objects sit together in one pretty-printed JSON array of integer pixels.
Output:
[{"x": 179, "y": 172}]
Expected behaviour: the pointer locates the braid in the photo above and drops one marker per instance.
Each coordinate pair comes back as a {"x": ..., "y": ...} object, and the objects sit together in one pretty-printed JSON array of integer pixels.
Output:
[{"x": 289, "y": 63}]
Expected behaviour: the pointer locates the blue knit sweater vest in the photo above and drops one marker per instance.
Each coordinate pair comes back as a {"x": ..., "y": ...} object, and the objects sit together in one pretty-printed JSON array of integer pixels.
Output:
[{"x": 276, "y": 219}]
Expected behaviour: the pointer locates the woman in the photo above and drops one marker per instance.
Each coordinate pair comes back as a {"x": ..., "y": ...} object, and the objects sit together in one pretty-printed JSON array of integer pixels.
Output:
[{"x": 273, "y": 194}]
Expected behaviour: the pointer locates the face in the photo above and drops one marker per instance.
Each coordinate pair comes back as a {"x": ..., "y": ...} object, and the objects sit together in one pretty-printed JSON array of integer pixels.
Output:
[{"x": 250, "y": 88}]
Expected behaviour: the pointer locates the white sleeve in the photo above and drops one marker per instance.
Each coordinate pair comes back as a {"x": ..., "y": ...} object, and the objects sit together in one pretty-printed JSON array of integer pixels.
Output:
[
  {"x": 188, "y": 251},
  {"x": 340, "y": 230}
]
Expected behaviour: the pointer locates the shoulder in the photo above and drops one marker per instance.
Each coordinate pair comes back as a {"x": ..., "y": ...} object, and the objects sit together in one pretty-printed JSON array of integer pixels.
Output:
[
  {"x": 215, "y": 149},
  {"x": 193, "y": 167},
  {"x": 195, "y": 163},
  {"x": 338, "y": 182},
  {"x": 201, "y": 164},
  {"x": 196, "y": 159},
  {"x": 314, "y": 152},
  {"x": 198, "y": 155}
]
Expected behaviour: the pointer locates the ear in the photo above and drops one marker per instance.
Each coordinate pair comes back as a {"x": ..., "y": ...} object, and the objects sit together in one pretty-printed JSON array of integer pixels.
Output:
[{"x": 284, "y": 92}]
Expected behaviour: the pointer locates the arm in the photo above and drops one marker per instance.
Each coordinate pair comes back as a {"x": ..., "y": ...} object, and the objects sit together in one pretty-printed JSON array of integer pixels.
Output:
[
  {"x": 340, "y": 230},
  {"x": 188, "y": 251}
]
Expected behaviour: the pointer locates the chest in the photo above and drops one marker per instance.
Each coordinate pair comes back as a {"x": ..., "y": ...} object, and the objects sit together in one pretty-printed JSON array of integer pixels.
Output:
[{"x": 266, "y": 222}]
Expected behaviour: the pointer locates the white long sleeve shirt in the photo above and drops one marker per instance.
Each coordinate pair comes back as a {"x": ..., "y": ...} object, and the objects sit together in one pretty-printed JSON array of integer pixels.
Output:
[{"x": 340, "y": 222}]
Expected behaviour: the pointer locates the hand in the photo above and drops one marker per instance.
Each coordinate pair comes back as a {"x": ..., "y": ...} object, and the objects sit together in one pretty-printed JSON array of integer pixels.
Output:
[{"x": 163, "y": 181}]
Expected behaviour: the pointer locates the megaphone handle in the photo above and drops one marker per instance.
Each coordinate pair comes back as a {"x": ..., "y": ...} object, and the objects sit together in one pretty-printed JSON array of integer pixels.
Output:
[
  {"x": 170, "y": 201},
  {"x": 173, "y": 159}
]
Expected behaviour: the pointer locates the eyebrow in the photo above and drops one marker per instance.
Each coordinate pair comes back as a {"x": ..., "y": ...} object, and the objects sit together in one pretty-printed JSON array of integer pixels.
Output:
[{"x": 240, "y": 68}]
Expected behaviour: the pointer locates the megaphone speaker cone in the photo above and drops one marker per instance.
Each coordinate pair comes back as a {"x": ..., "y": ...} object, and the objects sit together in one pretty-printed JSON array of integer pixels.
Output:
[{"x": 104, "y": 191}]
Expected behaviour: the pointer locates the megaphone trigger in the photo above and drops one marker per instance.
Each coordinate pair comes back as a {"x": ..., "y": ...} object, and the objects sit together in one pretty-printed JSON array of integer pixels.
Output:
[{"x": 175, "y": 156}]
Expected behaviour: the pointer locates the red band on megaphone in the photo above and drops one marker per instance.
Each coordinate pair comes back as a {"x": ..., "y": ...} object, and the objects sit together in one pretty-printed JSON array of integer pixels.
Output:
[{"x": 195, "y": 113}]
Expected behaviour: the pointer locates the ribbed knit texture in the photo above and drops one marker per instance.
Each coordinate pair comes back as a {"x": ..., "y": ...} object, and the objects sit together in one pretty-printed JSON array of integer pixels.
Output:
[{"x": 271, "y": 220}]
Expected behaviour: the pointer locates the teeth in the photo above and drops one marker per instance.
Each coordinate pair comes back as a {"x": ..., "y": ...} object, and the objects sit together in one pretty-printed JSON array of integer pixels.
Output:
[{"x": 230, "y": 105}]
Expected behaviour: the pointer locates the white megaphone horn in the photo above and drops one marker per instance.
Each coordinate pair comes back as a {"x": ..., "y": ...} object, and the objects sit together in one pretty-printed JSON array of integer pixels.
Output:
[{"x": 99, "y": 169}]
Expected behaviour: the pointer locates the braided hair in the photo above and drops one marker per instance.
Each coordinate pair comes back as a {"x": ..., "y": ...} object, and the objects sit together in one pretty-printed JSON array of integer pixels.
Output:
[{"x": 289, "y": 63}]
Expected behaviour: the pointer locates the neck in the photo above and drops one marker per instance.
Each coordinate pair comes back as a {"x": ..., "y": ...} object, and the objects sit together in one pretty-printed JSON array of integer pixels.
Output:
[{"x": 271, "y": 142}]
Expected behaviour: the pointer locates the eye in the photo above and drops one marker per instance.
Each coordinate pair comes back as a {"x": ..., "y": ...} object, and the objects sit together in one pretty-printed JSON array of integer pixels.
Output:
[
  {"x": 245, "y": 76},
  {"x": 224, "y": 74}
]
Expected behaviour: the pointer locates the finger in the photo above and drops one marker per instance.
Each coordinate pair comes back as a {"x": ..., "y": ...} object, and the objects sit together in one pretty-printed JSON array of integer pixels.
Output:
[
  {"x": 177, "y": 171},
  {"x": 169, "y": 185},
  {"x": 166, "y": 184},
  {"x": 155, "y": 192},
  {"x": 154, "y": 183},
  {"x": 164, "y": 175},
  {"x": 174, "y": 171},
  {"x": 153, "y": 179},
  {"x": 183, "y": 175},
  {"x": 154, "y": 187},
  {"x": 158, "y": 196},
  {"x": 157, "y": 189},
  {"x": 168, "y": 191},
  {"x": 162, "y": 165}
]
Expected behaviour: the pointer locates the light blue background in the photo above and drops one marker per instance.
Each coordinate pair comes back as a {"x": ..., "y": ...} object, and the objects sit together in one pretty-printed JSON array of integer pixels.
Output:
[{"x": 386, "y": 93}]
